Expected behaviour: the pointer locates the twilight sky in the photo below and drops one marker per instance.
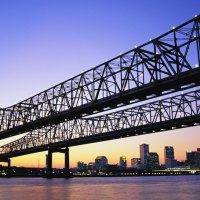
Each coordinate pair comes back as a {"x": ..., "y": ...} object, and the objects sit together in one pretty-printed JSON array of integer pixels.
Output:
[{"x": 44, "y": 42}]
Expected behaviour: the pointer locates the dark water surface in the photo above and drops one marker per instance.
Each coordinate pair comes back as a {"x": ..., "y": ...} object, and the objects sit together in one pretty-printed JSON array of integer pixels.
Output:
[{"x": 142, "y": 188}]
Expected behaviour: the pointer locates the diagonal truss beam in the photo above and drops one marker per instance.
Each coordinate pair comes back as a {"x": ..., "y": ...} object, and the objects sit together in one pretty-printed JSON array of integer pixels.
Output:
[
  {"x": 164, "y": 64},
  {"x": 170, "y": 113}
]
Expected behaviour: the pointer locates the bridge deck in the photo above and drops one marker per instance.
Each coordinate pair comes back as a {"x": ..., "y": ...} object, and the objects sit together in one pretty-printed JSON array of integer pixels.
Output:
[{"x": 167, "y": 63}]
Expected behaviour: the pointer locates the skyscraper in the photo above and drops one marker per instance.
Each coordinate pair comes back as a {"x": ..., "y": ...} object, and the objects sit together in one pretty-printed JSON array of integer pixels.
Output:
[
  {"x": 169, "y": 157},
  {"x": 193, "y": 158},
  {"x": 122, "y": 162},
  {"x": 136, "y": 163},
  {"x": 144, "y": 150},
  {"x": 152, "y": 160},
  {"x": 100, "y": 162}
]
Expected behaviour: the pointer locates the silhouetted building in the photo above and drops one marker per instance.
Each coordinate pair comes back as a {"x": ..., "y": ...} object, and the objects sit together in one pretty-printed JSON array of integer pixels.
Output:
[
  {"x": 122, "y": 162},
  {"x": 170, "y": 163},
  {"x": 100, "y": 162},
  {"x": 169, "y": 157},
  {"x": 112, "y": 168},
  {"x": 91, "y": 166},
  {"x": 152, "y": 161},
  {"x": 136, "y": 163},
  {"x": 193, "y": 158},
  {"x": 81, "y": 165},
  {"x": 179, "y": 164},
  {"x": 144, "y": 150}
]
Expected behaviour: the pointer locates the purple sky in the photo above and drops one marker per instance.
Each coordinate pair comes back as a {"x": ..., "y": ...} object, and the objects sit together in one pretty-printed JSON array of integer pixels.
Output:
[{"x": 44, "y": 42}]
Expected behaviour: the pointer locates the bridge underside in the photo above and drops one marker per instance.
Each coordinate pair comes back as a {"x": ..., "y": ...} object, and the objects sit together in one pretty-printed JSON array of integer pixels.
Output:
[
  {"x": 134, "y": 131},
  {"x": 169, "y": 85},
  {"x": 171, "y": 113},
  {"x": 166, "y": 64}
]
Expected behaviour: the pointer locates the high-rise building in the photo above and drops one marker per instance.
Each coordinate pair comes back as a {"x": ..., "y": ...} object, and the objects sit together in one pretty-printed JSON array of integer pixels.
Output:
[
  {"x": 100, "y": 162},
  {"x": 136, "y": 163},
  {"x": 193, "y": 158},
  {"x": 144, "y": 150},
  {"x": 122, "y": 162},
  {"x": 81, "y": 165},
  {"x": 91, "y": 166},
  {"x": 169, "y": 157},
  {"x": 152, "y": 160}
]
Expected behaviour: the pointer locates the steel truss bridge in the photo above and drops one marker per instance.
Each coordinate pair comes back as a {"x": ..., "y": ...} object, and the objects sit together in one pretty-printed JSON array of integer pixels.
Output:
[{"x": 80, "y": 110}]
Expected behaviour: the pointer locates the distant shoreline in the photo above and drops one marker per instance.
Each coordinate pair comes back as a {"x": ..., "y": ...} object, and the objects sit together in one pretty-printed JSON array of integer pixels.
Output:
[{"x": 91, "y": 176}]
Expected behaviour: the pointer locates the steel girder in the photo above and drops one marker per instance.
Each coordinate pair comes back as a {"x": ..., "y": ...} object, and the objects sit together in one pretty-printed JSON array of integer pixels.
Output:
[
  {"x": 162, "y": 65},
  {"x": 165, "y": 114}
]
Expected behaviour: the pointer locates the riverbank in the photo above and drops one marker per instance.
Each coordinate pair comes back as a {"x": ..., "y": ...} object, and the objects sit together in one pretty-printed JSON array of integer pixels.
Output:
[{"x": 134, "y": 174}]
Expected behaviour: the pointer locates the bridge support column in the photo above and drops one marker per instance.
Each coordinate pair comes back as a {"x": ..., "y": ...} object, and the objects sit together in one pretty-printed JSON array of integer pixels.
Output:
[
  {"x": 67, "y": 161},
  {"x": 8, "y": 161},
  {"x": 9, "y": 165},
  {"x": 49, "y": 162}
]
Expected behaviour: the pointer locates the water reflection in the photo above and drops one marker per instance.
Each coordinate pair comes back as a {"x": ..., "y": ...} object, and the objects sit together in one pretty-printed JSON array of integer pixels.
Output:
[{"x": 151, "y": 188}]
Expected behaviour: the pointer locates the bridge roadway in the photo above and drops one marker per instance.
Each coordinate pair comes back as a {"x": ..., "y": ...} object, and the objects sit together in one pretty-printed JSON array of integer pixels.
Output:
[
  {"x": 166, "y": 64},
  {"x": 171, "y": 113}
]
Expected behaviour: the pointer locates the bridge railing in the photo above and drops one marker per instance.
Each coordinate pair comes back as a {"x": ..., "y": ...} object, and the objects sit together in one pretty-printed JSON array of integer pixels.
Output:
[
  {"x": 159, "y": 115},
  {"x": 169, "y": 55}
]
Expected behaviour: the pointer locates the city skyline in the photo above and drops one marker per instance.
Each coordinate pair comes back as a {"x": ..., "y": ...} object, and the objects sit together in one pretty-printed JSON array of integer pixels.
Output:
[
  {"x": 123, "y": 158},
  {"x": 118, "y": 156},
  {"x": 39, "y": 50}
]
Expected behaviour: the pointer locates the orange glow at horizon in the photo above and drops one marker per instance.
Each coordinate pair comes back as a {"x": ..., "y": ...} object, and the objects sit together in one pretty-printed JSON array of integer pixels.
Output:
[{"x": 113, "y": 149}]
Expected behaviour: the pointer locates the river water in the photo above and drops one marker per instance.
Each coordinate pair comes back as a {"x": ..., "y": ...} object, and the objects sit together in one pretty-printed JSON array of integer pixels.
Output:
[{"x": 137, "y": 188}]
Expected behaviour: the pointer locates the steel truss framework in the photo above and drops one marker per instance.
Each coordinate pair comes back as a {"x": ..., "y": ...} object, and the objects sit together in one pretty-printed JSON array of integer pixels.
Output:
[
  {"x": 141, "y": 73},
  {"x": 167, "y": 114}
]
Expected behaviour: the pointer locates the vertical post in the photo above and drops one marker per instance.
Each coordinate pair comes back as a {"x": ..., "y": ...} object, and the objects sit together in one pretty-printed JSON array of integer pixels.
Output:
[
  {"x": 49, "y": 162},
  {"x": 67, "y": 161},
  {"x": 9, "y": 165},
  {"x": 93, "y": 87}
]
